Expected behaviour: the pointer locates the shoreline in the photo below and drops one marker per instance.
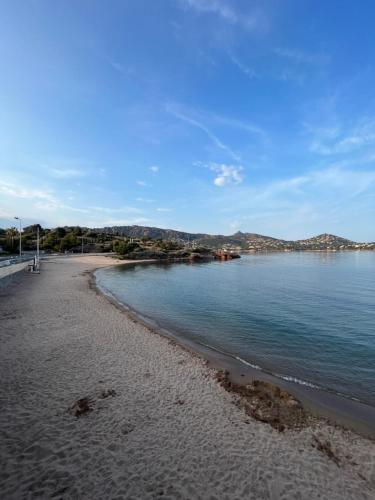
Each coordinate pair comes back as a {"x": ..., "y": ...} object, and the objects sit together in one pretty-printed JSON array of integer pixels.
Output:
[
  {"x": 345, "y": 411},
  {"x": 95, "y": 405}
]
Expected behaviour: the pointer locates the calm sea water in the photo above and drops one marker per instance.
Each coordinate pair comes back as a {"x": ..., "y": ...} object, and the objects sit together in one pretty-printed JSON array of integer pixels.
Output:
[{"x": 305, "y": 316}]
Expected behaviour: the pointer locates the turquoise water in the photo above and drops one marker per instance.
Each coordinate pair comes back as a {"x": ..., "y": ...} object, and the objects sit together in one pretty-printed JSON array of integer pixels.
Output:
[{"x": 308, "y": 317}]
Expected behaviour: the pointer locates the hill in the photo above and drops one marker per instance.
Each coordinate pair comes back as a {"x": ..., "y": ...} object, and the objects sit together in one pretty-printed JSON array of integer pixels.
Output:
[
  {"x": 77, "y": 239},
  {"x": 326, "y": 241},
  {"x": 149, "y": 232},
  {"x": 239, "y": 241}
]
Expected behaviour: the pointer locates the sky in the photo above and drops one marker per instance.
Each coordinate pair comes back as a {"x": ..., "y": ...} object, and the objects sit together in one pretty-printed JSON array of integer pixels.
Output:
[{"x": 199, "y": 115}]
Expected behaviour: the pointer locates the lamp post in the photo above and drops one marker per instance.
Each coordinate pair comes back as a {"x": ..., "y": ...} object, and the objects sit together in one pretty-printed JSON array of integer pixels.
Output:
[
  {"x": 81, "y": 243},
  {"x": 19, "y": 220},
  {"x": 37, "y": 244}
]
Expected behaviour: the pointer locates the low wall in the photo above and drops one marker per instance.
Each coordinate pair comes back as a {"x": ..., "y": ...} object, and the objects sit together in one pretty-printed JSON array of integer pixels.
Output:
[{"x": 8, "y": 273}]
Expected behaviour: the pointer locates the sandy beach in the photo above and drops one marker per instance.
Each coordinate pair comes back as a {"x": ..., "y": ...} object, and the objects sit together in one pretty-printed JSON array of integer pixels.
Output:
[{"x": 158, "y": 423}]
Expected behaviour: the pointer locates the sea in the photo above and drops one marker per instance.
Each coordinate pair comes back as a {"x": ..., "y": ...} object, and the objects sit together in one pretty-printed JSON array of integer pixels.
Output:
[{"x": 305, "y": 317}]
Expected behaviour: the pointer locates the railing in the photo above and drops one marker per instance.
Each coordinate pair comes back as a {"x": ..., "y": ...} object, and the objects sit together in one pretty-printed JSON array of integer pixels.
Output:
[{"x": 15, "y": 260}]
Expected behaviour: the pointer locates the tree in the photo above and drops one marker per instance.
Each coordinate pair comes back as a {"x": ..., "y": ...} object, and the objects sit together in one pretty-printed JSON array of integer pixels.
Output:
[
  {"x": 68, "y": 241},
  {"x": 11, "y": 233},
  {"x": 60, "y": 232},
  {"x": 50, "y": 241},
  {"x": 33, "y": 229}
]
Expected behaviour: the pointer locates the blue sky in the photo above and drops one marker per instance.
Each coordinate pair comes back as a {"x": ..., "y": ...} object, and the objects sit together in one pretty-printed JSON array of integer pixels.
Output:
[{"x": 201, "y": 115}]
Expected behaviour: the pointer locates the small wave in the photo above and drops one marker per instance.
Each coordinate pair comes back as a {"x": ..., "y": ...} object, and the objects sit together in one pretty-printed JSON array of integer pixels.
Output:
[
  {"x": 299, "y": 381},
  {"x": 287, "y": 378},
  {"x": 256, "y": 367}
]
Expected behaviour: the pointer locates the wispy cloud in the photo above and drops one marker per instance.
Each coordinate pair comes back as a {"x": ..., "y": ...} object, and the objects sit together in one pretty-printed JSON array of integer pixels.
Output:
[
  {"x": 251, "y": 20},
  {"x": 162, "y": 209},
  {"x": 218, "y": 7},
  {"x": 120, "y": 68},
  {"x": 66, "y": 173},
  {"x": 298, "y": 66},
  {"x": 26, "y": 192},
  {"x": 119, "y": 222},
  {"x": 349, "y": 182},
  {"x": 6, "y": 214},
  {"x": 117, "y": 66},
  {"x": 47, "y": 205},
  {"x": 290, "y": 207},
  {"x": 244, "y": 125},
  {"x": 334, "y": 179},
  {"x": 299, "y": 56},
  {"x": 108, "y": 210},
  {"x": 195, "y": 123},
  {"x": 42, "y": 199},
  {"x": 57, "y": 205},
  {"x": 334, "y": 140},
  {"x": 145, "y": 200},
  {"x": 142, "y": 183},
  {"x": 155, "y": 169},
  {"x": 249, "y": 72}
]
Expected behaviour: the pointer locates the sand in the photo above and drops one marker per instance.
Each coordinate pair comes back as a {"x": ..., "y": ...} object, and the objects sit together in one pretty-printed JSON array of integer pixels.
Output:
[{"x": 158, "y": 423}]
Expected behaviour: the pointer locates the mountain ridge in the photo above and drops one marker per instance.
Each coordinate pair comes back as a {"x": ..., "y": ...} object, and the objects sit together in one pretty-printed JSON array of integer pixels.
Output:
[{"x": 238, "y": 241}]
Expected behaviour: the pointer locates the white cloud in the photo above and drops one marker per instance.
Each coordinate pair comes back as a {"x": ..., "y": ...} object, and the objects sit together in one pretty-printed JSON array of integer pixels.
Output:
[
  {"x": 141, "y": 183},
  {"x": 164, "y": 210},
  {"x": 226, "y": 174},
  {"x": 154, "y": 169}
]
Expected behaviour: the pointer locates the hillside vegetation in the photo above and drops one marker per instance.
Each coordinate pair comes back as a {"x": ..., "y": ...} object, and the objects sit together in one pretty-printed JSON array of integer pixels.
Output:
[{"x": 142, "y": 242}]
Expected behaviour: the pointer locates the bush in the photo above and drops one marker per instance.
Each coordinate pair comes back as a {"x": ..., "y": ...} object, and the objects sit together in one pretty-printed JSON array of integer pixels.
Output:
[
  {"x": 124, "y": 247},
  {"x": 167, "y": 245}
]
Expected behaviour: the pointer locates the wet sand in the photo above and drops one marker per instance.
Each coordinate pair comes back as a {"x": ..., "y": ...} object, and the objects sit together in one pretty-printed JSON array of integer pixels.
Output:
[{"x": 157, "y": 422}]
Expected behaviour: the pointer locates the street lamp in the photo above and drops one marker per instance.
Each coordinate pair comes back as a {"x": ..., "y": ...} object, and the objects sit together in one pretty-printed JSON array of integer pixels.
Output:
[
  {"x": 81, "y": 243},
  {"x": 19, "y": 219}
]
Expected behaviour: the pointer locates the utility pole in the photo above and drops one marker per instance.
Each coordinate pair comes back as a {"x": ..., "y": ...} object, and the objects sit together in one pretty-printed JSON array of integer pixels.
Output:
[{"x": 19, "y": 220}]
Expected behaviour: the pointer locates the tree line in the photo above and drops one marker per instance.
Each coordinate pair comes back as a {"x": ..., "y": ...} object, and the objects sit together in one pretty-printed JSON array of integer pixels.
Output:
[
  {"x": 59, "y": 239},
  {"x": 75, "y": 238}
]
